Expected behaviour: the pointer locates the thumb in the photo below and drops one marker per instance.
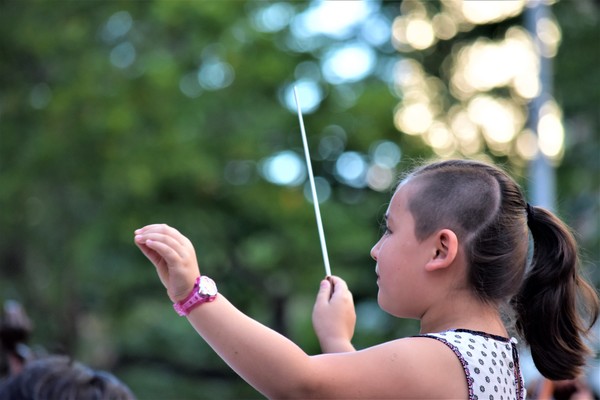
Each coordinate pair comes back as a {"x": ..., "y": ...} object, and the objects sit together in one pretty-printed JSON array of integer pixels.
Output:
[{"x": 324, "y": 291}]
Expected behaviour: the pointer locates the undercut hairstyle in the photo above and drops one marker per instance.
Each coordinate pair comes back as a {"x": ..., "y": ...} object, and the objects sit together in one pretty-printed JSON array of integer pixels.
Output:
[
  {"x": 554, "y": 305},
  {"x": 61, "y": 378}
]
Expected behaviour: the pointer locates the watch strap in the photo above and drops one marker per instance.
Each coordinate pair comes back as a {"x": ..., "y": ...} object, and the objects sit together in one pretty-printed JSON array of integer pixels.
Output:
[{"x": 196, "y": 296}]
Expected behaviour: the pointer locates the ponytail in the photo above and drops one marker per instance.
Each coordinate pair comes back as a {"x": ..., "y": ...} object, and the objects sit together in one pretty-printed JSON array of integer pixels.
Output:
[{"x": 554, "y": 299}]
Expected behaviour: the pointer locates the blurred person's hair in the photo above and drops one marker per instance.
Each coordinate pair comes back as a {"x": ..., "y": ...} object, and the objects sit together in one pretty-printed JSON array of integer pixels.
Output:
[
  {"x": 15, "y": 329},
  {"x": 61, "y": 378}
]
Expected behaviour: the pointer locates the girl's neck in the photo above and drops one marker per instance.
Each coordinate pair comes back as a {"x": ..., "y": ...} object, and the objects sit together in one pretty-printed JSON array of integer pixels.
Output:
[{"x": 463, "y": 311}]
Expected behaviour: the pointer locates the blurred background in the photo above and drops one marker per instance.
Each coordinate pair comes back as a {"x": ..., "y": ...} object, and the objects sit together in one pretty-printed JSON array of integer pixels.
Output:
[{"x": 118, "y": 114}]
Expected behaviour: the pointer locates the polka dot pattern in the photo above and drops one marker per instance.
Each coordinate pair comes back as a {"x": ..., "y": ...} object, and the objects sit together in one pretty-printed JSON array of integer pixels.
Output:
[{"x": 490, "y": 362}]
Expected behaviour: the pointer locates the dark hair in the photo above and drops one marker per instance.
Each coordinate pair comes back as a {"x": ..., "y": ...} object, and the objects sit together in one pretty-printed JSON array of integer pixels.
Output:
[
  {"x": 487, "y": 211},
  {"x": 60, "y": 378}
]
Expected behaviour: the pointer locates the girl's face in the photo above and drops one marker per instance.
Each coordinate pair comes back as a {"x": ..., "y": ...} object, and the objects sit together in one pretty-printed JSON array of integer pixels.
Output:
[{"x": 400, "y": 261}]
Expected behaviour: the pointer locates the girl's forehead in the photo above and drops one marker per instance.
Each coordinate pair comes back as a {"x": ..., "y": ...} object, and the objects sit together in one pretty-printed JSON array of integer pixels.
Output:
[{"x": 399, "y": 202}]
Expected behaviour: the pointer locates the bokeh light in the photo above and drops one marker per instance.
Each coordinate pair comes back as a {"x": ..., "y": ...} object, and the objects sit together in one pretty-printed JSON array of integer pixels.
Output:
[
  {"x": 285, "y": 168},
  {"x": 385, "y": 153},
  {"x": 551, "y": 135},
  {"x": 118, "y": 25},
  {"x": 527, "y": 145},
  {"x": 484, "y": 12},
  {"x": 348, "y": 63},
  {"x": 351, "y": 169},
  {"x": 309, "y": 92},
  {"x": 478, "y": 103},
  {"x": 379, "y": 178},
  {"x": 335, "y": 19},
  {"x": 419, "y": 33},
  {"x": 485, "y": 65},
  {"x": 273, "y": 17},
  {"x": 322, "y": 187},
  {"x": 492, "y": 80},
  {"x": 549, "y": 35},
  {"x": 123, "y": 55},
  {"x": 414, "y": 118},
  {"x": 215, "y": 74}
]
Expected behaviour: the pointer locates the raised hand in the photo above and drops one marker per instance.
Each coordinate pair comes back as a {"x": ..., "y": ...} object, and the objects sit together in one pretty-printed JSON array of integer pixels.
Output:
[
  {"x": 173, "y": 256},
  {"x": 334, "y": 316}
]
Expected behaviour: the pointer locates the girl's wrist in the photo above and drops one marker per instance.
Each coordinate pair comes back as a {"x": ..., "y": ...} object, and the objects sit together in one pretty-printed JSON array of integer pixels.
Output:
[
  {"x": 204, "y": 291},
  {"x": 182, "y": 294}
]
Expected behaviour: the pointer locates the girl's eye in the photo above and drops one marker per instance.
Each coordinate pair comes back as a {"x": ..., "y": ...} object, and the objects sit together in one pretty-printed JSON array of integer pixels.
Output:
[{"x": 385, "y": 230}]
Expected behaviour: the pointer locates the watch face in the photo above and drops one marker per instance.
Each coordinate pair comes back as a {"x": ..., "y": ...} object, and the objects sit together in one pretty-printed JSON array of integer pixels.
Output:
[{"x": 207, "y": 286}]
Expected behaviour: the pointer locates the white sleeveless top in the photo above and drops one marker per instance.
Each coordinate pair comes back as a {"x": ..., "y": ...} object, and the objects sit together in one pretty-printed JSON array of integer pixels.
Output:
[{"x": 490, "y": 362}]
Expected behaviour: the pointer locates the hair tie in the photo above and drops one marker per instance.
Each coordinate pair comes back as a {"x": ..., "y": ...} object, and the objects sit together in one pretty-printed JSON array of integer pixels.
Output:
[{"x": 530, "y": 212}]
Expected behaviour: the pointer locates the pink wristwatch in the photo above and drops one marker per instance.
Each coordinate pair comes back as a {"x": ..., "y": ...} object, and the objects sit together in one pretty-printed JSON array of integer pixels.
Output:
[{"x": 204, "y": 291}]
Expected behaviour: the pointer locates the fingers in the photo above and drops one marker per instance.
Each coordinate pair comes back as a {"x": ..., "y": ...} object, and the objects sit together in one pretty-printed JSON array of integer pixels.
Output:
[
  {"x": 151, "y": 239},
  {"x": 332, "y": 287},
  {"x": 150, "y": 254},
  {"x": 163, "y": 229},
  {"x": 333, "y": 315},
  {"x": 339, "y": 285},
  {"x": 164, "y": 249},
  {"x": 164, "y": 240},
  {"x": 173, "y": 256},
  {"x": 325, "y": 291}
]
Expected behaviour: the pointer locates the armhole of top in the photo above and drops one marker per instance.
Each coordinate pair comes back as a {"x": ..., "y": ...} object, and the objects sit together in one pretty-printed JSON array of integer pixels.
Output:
[{"x": 462, "y": 360}]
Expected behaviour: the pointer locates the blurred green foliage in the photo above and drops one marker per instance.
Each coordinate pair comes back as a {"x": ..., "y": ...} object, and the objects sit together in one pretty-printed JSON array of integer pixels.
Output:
[{"x": 90, "y": 151}]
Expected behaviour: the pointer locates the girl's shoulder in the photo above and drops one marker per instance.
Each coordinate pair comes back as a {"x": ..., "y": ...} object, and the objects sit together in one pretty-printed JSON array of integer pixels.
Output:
[
  {"x": 432, "y": 366},
  {"x": 413, "y": 367}
]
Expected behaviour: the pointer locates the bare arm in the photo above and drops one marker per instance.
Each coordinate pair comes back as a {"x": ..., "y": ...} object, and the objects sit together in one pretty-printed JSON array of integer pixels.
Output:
[
  {"x": 258, "y": 354},
  {"x": 277, "y": 367},
  {"x": 261, "y": 356}
]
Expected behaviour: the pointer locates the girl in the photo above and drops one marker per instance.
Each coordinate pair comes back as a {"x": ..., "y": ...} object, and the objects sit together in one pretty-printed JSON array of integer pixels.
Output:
[{"x": 454, "y": 255}]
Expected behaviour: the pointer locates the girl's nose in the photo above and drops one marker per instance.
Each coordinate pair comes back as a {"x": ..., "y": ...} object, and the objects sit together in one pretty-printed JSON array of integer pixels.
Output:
[{"x": 375, "y": 251}]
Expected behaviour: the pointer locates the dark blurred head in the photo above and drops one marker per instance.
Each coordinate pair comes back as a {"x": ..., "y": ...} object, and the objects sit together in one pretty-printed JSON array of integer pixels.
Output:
[{"x": 61, "y": 378}]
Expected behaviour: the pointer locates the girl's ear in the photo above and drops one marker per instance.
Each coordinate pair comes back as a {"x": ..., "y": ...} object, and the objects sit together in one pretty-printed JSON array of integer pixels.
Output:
[{"x": 444, "y": 251}]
